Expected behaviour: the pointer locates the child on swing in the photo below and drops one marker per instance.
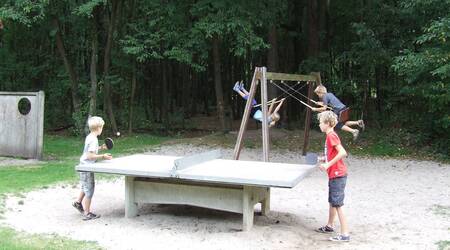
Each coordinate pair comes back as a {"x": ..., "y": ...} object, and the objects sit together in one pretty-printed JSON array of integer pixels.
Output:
[
  {"x": 330, "y": 100},
  {"x": 256, "y": 112}
]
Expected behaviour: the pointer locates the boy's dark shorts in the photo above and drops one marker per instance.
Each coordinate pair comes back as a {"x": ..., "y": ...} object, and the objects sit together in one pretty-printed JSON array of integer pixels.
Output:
[
  {"x": 339, "y": 125},
  {"x": 336, "y": 191}
]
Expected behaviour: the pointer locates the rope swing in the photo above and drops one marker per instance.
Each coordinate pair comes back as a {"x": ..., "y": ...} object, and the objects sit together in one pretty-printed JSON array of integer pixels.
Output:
[{"x": 298, "y": 92}]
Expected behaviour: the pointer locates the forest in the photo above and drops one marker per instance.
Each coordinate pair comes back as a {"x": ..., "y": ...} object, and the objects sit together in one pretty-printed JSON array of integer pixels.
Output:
[{"x": 153, "y": 65}]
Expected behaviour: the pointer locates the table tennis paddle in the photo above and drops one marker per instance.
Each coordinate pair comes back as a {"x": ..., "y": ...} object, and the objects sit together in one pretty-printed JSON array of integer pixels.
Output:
[{"x": 109, "y": 143}]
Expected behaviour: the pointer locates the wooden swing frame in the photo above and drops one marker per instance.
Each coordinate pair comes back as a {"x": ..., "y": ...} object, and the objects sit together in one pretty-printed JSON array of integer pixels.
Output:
[{"x": 261, "y": 76}]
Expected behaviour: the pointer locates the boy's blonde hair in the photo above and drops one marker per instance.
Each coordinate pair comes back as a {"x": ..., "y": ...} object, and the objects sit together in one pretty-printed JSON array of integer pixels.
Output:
[
  {"x": 95, "y": 122},
  {"x": 328, "y": 117},
  {"x": 320, "y": 89}
]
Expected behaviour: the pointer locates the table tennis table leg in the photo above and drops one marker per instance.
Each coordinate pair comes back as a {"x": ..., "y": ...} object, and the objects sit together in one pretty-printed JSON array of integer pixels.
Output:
[
  {"x": 248, "y": 208},
  {"x": 130, "y": 204},
  {"x": 265, "y": 203}
]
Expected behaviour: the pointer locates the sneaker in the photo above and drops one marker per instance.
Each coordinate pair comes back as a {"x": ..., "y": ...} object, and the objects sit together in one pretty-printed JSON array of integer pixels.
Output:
[
  {"x": 241, "y": 85},
  {"x": 355, "y": 135},
  {"x": 340, "y": 238},
  {"x": 91, "y": 216},
  {"x": 236, "y": 87},
  {"x": 361, "y": 124},
  {"x": 324, "y": 229},
  {"x": 77, "y": 205}
]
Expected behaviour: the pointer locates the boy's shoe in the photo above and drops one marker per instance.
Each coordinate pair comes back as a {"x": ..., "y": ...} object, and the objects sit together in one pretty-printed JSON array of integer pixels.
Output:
[
  {"x": 77, "y": 205},
  {"x": 241, "y": 85},
  {"x": 324, "y": 229},
  {"x": 236, "y": 87},
  {"x": 340, "y": 238},
  {"x": 355, "y": 135},
  {"x": 91, "y": 216},
  {"x": 361, "y": 124}
]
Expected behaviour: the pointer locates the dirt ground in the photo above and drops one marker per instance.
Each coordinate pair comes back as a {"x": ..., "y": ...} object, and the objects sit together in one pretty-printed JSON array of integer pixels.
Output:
[{"x": 390, "y": 204}]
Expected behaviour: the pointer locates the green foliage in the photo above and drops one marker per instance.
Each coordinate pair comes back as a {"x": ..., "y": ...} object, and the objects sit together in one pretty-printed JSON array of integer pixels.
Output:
[
  {"x": 87, "y": 9},
  {"x": 426, "y": 69},
  {"x": 25, "y": 12},
  {"x": 396, "y": 52},
  {"x": 13, "y": 240}
]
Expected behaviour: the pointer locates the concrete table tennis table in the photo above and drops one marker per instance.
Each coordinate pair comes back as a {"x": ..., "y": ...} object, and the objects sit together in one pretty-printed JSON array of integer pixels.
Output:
[{"x": 200, "y": 180}]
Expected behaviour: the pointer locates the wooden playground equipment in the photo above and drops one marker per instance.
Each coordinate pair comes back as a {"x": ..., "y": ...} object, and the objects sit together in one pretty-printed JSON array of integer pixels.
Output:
[{"x": 261, "y": 76}]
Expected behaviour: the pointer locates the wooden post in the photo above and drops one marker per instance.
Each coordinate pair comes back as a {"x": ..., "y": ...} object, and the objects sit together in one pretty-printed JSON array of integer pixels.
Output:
[
  {"x": 245, "y": 117},
  {"x": 308, "y": 112},
  {"x": 265, "y": 126}
]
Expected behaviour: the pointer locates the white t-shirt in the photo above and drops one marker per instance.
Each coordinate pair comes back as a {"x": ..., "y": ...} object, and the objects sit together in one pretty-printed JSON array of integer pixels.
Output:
[{"x": 90, "y": 145}]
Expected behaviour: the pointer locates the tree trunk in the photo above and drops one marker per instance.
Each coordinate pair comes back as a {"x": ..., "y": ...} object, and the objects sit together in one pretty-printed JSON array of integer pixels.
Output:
[
  {"x": 218, "y": 84},
  {"x": 93, "y": 77},
  {"x": 272, "y": 60},
  {"x": 131, "y": 104},
  {"x": 107, "y": 62},
  {"x": 93, "y": 73},
  {"x": 69, "y": 67},
  {"x": 164, "y": 96},
  {"x": 313, "y": 32}
]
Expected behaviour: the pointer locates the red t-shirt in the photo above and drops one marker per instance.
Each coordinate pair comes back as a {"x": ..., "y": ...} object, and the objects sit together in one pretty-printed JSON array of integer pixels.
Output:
[{"x": 338, "y": 169}]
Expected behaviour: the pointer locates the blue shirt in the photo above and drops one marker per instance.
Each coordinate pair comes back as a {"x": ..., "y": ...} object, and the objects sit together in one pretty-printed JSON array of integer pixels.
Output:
[{"x": 331, "y": 100}]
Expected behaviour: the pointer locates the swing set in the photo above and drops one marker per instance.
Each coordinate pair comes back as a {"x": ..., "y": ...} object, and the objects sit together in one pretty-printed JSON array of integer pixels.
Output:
[{"x": 261, "y": 76}]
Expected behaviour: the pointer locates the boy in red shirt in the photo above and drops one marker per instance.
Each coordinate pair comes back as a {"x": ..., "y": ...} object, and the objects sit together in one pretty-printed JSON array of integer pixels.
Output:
[{"x": 337, "y": 173}]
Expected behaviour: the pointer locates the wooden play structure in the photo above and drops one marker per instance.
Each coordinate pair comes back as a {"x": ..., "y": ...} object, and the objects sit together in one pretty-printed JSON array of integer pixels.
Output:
[{"x": 261, "y": 77}]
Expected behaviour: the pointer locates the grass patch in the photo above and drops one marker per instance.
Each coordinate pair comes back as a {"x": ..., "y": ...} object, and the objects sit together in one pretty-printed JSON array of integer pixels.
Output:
[
  {"x": 441, "y": 210},
  {"x": 25, "y": 178},
  {"x": 13, "y": 240},
  {"x": 443, "y": 245}
]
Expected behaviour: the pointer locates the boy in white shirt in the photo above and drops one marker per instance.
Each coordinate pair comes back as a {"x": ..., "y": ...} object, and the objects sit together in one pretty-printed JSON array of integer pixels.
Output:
[{"x": 89, "y": 156}]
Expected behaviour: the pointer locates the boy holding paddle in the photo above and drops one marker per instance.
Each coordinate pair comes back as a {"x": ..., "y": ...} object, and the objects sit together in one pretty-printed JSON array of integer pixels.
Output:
[{"x": 89, "y": 156}]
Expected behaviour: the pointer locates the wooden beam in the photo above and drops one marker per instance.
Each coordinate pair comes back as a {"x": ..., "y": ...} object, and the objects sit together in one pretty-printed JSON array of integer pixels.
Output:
[
  {"x": 245, "y": 117},
  {"x": 265, "y": 125},
  {"x": 308, "y": 111},
  {"x": 290, "y": 77}
]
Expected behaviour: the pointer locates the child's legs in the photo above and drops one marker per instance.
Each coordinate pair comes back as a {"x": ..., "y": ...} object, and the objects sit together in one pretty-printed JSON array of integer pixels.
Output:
[
  {"x": 342, "y": 220},
  {"x": 331, "y": 216},
  {"x": 80, "y": 197},
  {"x": 351, "y": 123},
  {"x": 87, "y": 205},
  {"x": 336, "y": 195},
  {"x": 87, "y": 187},
  {"x": 348, "y": 129}
]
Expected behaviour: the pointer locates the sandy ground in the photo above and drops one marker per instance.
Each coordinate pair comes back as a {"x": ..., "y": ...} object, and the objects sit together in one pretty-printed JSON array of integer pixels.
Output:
[{"x": 390, "y": 204}]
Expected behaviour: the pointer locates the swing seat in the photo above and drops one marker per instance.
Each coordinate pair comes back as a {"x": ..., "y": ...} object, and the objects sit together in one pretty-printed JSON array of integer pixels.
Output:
[{"x": 344, "y": 115}]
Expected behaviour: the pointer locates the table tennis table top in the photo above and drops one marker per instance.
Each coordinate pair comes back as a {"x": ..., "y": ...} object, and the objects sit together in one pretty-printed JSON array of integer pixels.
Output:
[{"x": 233, "y": 172}]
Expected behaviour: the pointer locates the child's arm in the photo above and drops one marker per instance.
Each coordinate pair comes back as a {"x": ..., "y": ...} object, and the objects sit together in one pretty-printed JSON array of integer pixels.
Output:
[
  {"x": 323, "y": 108},
  {"x": 272, "y": 104},
  {"x": 94, "y": 156},
  {"x": 341, "y": 154},
  {"x": 279, "y": 105}
]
